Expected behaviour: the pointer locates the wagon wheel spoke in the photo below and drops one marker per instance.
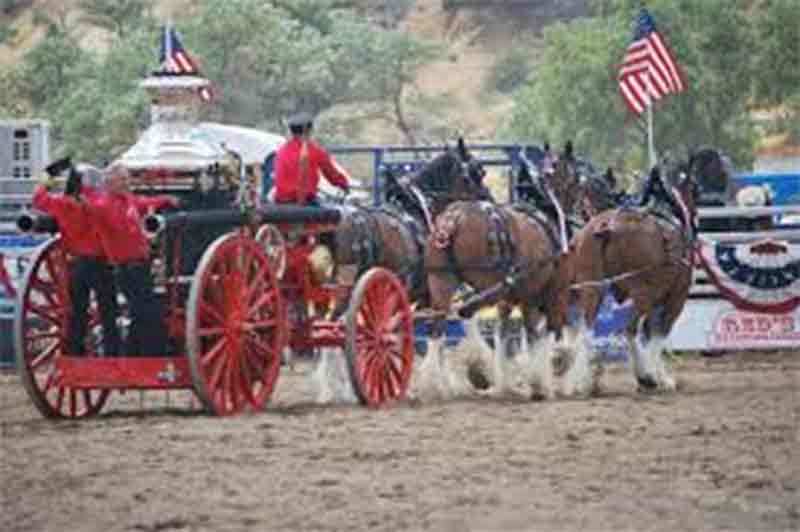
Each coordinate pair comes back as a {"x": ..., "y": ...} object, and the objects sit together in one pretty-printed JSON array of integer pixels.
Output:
[
  {"x": 45, "y": 313},
  {"x": 217, "y": 373},
  {"x": 213, "y": 353},
  {"x": 73, "y": 403},
  {"x": 261, "y": 346},
  {"x": 260, "y": 287},
  {"x": 230, "y": 386},
  {"x": 265, "y": 300},
  {"x": 210, "y": 313},
  {"x": 366, "y": 317},
  {"x": 260, "y": 325},
  {"x": 60, "y": 399},
  {"x": 44, "y": 357},
  {"x": 47, "y": 290},
  {"x": 207, "y": 332}
]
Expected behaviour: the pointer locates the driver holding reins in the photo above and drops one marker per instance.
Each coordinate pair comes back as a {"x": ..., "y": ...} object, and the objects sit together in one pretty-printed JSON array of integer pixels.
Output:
[{"x": 299, "y": 163}]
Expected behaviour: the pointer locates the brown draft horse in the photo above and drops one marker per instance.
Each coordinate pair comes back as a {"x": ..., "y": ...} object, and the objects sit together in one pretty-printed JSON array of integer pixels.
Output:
[
  {"x": 643, "y": 256},
  {"x": 393, "y": 234},
  {"x": 511, "y": 254}
]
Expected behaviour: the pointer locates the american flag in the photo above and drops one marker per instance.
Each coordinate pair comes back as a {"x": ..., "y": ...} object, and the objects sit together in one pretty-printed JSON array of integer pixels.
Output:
[
  {"x": 176, "y": 60},
  {"x": 648, "y": 57}
]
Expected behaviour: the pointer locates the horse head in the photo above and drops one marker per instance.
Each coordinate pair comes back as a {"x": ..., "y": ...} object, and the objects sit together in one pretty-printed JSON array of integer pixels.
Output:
[
  {"x": 712, "y": 171},
  {"x": 453, "y": 175},
  {"x": 598, "y": 194}
]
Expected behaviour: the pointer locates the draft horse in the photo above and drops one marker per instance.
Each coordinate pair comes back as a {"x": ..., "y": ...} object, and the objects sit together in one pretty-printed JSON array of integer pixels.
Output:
[
  {"x": 393, "y": 235},
  {"x": 512, "y": 255},
  {"x": 646, "y": 256}
]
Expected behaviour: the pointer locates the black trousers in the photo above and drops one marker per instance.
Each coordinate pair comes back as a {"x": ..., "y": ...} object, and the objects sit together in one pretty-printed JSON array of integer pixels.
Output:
[
  {"x": 148, "y": 334},
  {"x": 87, "y": 275}
]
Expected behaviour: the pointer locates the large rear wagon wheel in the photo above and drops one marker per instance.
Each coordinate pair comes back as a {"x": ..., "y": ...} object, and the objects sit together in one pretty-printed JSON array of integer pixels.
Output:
[
  {"x": 40, "y": 331},
  {"x": 236, "y": 326},
  {"x": 380, "y": 338}
]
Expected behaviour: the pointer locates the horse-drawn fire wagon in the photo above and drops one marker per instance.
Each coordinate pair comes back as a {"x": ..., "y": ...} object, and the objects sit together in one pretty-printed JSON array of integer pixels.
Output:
[{"x": 235, "y": 278}]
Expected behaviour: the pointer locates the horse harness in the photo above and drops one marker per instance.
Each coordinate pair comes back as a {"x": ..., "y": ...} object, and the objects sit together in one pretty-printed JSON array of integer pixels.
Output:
[
  {"x": 502, "y": 248},
  {"x": 369, "y": 249}
]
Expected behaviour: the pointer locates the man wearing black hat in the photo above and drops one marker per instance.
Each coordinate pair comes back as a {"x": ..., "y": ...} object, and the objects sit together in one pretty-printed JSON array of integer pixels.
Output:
[{"x": 299, "y": 162}]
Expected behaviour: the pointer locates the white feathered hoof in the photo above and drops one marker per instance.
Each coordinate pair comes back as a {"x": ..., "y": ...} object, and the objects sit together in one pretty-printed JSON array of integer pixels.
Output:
[
  {"x": 563, "y": 358},
  {"x": 647, "y": 384},
  {"x": 476, "y": 374}
]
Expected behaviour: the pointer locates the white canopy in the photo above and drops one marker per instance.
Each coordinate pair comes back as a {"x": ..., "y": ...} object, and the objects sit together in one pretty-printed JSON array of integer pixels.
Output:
[{"x": 180, "y": 146}]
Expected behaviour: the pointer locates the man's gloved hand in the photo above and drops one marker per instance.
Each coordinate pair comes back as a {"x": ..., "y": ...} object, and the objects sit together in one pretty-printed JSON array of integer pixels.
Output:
[{"x": 346, "y": 190}]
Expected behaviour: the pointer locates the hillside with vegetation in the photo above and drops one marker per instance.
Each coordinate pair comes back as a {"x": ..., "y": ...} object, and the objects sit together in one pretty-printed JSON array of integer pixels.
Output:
[{"x": 408, "y": 71}]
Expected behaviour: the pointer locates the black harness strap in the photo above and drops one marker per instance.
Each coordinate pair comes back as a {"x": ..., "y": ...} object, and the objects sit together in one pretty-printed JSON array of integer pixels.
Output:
[{"x": 542, "y": 220}]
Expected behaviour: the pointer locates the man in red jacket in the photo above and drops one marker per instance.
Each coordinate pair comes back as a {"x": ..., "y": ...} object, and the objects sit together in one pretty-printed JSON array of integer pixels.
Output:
[
  {"x": 299, "y": 162},
  {"x": 88, "y": 268},
  {"x": 118, "y": 218}
]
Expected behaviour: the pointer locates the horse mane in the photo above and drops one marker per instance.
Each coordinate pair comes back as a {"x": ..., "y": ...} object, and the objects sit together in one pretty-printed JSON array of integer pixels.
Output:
[{"x": 437, "y": 175}]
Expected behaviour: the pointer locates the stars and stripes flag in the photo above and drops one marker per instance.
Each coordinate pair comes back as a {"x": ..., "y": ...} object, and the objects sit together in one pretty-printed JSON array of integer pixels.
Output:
[
  {"x": 649, "y": 71},
  {"x": 176, "y": 60}
]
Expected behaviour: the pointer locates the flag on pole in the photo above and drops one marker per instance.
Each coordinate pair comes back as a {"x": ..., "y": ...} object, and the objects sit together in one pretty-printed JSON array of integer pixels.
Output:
[
  {"x": 176, "y": 60},
  {"x": 649, "y": 71}
]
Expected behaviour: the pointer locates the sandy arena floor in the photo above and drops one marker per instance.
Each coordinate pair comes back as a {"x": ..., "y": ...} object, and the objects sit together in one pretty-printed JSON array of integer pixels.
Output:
[{"x": 721, "y": 454}]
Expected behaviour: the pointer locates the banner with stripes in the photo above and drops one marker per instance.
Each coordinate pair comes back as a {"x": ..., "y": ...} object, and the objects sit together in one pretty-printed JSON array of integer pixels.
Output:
[{"x": 763, "y": 276}]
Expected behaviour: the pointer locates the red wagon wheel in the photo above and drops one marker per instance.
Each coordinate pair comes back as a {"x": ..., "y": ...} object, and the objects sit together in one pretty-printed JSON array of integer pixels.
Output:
[
  {"x": 40, "y": 325},
  {"x": 236, "y": 326},
  {"x": 274, "y": 246},
  {"x": 380, "y": 338}
]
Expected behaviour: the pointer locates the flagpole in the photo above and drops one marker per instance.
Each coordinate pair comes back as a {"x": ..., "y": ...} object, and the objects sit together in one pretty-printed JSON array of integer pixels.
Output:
[
  {"x": 651, "y": 145},
  {"x": 167, "y": 41}
]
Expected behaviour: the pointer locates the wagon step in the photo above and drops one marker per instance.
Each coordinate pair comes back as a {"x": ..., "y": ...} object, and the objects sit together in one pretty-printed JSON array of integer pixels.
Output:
[{"x": 129, "y": 373}]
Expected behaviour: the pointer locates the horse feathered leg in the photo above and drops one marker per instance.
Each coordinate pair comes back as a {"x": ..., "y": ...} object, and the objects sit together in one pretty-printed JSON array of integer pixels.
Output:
[
  {"x": 539, "y": 354},
  {"x": 442, "y": 287},
  {"x": 654, "y": 350}
]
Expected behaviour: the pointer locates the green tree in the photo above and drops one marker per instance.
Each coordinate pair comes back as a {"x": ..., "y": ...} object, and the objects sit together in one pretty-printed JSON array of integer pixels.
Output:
[
  {"x": 117, "y": 16},
  {"x": 574, "y": 94},
  {"x": 105, "y": 108},
  {"x": 778, "y": 81},
  {"x": 49, "y": 68},
  {"x": 387, "y": 65},
  {"x": 271, "y": 59}
]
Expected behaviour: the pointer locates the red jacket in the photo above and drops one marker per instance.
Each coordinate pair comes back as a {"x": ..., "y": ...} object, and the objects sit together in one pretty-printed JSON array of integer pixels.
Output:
[
  {"x": 291, "y": 183},
  {"x": 74, "y": 220},
  {"x": 118, "y": 219}
]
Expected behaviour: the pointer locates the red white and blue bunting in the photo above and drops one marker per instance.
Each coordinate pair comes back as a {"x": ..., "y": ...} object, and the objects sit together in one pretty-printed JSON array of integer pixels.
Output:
[{"x": 761, "y": 276}]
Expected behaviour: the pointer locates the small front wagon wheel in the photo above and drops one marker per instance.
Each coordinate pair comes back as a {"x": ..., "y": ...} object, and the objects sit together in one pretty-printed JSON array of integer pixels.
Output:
[{"x": 380, "y": 338}]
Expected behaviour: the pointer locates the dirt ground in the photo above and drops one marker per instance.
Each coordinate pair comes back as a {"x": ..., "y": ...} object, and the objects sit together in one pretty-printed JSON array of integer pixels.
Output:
[{"x": 723, "y": 453}]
